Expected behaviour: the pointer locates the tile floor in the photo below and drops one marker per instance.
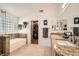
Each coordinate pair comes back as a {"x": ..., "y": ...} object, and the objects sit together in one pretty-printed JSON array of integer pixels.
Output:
[{"x": 32, "y": 50}]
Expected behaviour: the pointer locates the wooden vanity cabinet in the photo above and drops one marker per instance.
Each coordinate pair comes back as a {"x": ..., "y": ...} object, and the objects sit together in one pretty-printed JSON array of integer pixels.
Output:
[
  {"x": 55, "y": 36},
  {"x": 4, "y": 45}
]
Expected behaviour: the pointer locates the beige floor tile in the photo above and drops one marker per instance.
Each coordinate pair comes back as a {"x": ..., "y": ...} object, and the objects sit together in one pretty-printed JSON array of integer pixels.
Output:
[{"x": 32, "y": 50}]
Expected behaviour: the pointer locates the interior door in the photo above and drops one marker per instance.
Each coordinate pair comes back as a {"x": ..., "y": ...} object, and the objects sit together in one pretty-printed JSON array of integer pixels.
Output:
[{"x": 34, "y": 32}]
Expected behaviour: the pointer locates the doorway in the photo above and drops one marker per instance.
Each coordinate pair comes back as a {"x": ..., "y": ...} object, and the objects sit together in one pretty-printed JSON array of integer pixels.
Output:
[{"x": 34, "y": 32}]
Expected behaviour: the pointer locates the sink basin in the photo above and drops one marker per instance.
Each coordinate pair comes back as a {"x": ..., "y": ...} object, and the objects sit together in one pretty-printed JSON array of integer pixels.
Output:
[{"x": 65, "y": 43}]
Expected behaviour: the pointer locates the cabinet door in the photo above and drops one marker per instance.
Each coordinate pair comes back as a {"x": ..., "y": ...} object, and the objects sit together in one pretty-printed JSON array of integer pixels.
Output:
[
  {"x": 7, "y": 46},
  {"x": 0, "y": 47},
  {"x": 4, "y": 45}
]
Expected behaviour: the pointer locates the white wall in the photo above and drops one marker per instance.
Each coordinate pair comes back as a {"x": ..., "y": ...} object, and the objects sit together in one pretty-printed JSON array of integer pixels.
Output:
[{"x": 50, "y": 14}]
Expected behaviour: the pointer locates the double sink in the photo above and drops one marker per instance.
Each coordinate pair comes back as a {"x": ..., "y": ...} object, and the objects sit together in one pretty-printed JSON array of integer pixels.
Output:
[{"x": 66, "y": 48}]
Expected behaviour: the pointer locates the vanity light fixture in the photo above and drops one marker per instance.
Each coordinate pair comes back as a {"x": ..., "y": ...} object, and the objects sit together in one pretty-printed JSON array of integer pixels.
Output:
[{"x": 3, "y": 11}]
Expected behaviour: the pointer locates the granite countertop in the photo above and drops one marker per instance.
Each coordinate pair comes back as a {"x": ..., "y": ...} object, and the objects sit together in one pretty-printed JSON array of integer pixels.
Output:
[
  {"x": 56, "y": 33},
  {"x": 66, "y": 48},
  {"x": 4, "y": 35}
]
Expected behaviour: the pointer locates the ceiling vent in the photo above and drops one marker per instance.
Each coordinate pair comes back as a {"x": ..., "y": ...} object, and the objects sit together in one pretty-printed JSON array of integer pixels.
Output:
[{"x": 41, "y": 10}]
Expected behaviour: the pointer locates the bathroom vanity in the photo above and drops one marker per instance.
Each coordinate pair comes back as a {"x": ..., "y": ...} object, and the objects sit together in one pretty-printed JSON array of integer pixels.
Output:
[{"x": 62, "y": 46}]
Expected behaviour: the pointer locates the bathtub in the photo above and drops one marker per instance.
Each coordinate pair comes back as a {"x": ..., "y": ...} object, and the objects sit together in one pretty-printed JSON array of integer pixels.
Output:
[{"x": 16, "y": 43}]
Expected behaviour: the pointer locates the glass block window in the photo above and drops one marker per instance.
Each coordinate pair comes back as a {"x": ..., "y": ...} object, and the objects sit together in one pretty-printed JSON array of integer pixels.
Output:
[
  {"x": 1, "y": 26},
  {"x": 8, "y": 26}
]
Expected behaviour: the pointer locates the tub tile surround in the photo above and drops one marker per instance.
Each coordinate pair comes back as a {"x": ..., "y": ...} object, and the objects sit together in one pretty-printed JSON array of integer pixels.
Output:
[{"x": 11, "y": 42}]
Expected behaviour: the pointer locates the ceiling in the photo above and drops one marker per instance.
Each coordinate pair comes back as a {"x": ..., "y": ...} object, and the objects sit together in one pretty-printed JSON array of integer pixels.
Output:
[{"x": 24, "y": 9}]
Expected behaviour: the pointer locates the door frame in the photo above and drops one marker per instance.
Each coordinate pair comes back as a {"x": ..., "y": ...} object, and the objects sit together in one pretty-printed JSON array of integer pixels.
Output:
[{"x": 31, "y": 31}]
